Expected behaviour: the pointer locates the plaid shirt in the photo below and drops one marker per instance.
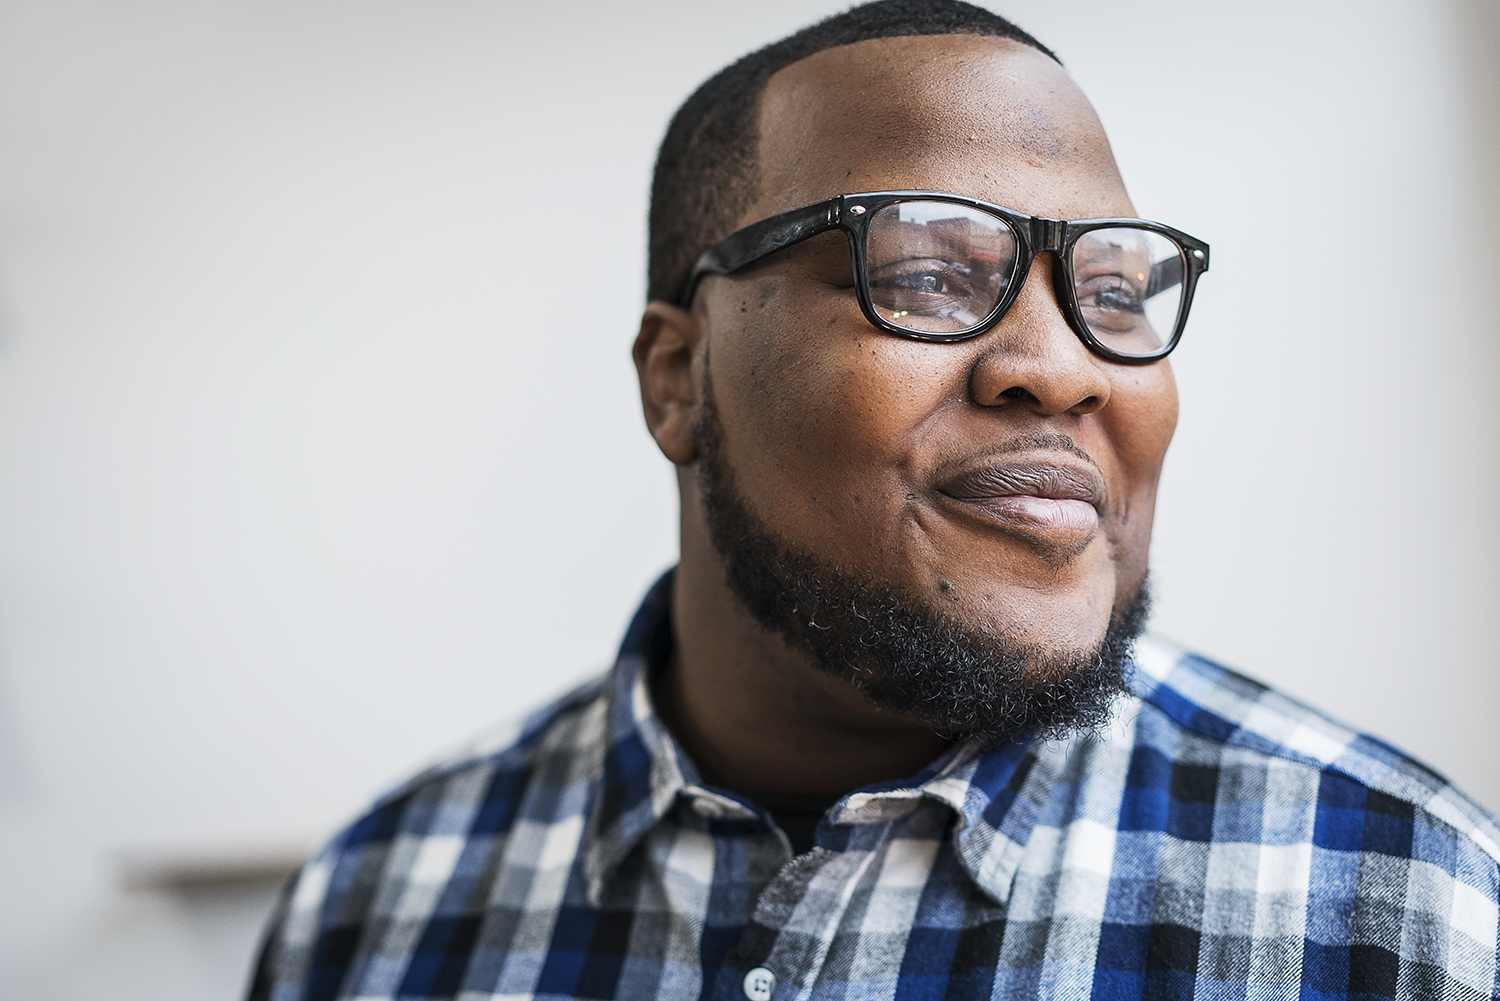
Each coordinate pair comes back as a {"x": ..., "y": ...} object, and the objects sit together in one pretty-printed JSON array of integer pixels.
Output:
[{"x": 1218, "y": 841}]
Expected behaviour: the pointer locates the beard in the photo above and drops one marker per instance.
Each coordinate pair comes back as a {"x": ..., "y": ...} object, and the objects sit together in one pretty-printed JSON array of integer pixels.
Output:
[{"x": 903, "y": 654}]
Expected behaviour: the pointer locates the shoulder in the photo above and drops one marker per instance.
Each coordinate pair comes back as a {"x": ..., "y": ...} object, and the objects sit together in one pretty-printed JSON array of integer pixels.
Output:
[
  {"x": 562, "y": 741},
  {"x": 1384, "y": 863},
  {"x": 481, "y": 788},
  {"x": 436, "y": 834},
  {"x": 1210, "y": 706}
]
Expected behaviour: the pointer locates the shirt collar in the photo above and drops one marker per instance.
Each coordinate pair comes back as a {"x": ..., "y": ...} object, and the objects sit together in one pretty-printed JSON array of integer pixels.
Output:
[
  {"x": 643, "y": 768},
  {"x": 994, "y": 790}
]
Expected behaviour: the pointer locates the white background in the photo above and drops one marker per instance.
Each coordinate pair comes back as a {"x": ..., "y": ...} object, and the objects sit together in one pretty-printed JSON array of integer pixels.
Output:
[{"x": 320, "y": 446}]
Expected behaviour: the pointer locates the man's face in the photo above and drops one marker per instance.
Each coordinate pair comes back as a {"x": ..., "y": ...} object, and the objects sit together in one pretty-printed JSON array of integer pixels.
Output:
[{"x": 940, "y": 470}]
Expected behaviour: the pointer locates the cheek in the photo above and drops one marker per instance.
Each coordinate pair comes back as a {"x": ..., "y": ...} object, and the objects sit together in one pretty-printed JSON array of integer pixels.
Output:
[
  {"x": 818, "y": 407},
  {"x": 1139, "y": 421},
  {"x": 1145, "y": 412}
]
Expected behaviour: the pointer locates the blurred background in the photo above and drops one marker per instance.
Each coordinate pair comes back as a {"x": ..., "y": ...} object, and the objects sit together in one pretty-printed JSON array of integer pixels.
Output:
[{"x": 310, "y": 468}]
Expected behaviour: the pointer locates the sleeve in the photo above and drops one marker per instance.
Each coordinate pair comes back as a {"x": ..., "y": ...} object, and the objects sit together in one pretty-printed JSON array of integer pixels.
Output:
[
  {"x": 328, "y": 910},
  {"x": 295, "y": 961}
]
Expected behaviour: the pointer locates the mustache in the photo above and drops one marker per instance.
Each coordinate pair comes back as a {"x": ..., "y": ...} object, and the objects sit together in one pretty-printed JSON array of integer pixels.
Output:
[{"x": 1036, "y": 441}]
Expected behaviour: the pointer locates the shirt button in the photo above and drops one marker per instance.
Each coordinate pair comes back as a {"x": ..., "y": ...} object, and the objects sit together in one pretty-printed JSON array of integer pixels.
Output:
[{"x": 759, "y": 983}]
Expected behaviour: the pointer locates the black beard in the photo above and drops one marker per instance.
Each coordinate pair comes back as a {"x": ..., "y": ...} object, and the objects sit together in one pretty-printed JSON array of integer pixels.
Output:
[{"x": 904, "y": 655}]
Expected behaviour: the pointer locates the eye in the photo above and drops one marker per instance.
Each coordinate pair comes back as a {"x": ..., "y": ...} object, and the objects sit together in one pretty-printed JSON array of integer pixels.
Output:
[
  {"x": 1112, "y": 293},
  {"x": 921, "y": 283},
  {"x": 935, "y": 293}
]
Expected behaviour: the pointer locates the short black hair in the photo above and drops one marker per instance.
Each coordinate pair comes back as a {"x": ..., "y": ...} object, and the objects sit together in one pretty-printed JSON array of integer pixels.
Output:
[{"x": 706, "y": 167}]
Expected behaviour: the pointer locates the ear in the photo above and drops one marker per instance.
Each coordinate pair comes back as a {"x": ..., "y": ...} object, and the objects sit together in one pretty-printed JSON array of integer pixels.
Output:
[{"x": 665, "y": 353}]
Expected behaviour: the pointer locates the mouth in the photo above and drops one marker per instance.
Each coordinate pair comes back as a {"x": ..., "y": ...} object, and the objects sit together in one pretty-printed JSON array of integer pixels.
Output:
[{"x": 1049, "y": 496}]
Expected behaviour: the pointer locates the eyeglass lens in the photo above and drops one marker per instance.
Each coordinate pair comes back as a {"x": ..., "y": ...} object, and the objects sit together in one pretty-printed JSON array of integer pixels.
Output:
[
  {"x": 937, "y": 267},
  {"x": 940, "y": 268},
  {"x": 1128, "y": 283}
]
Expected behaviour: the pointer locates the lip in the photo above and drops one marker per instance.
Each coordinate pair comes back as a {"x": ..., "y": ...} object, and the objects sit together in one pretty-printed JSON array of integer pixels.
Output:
[{"x": 1030, "y": 493}]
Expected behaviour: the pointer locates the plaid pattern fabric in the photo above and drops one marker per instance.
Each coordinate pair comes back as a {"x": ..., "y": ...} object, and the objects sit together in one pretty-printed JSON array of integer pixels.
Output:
[{"x": 1219, "y": 841}]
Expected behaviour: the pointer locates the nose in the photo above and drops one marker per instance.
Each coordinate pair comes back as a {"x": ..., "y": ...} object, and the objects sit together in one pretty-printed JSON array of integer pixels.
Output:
[{"x": 1032, "y": 358}]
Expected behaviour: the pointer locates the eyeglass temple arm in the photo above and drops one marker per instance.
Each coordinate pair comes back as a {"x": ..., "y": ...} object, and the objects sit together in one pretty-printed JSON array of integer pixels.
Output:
[
  {"x": 758, "y": 240},
  {"x": 1165, "y": 275}
]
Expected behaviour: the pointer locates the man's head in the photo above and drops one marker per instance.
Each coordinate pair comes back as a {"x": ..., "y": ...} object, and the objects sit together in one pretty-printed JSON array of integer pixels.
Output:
[{"x": 990, "y": 497}]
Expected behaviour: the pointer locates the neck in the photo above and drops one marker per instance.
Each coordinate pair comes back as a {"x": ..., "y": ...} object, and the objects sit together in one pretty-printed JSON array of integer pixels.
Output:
[{"x": 755, "y": 714}]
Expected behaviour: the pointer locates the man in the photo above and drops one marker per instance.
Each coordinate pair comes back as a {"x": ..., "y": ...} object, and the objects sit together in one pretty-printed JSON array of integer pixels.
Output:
[{"x": 882, "y": 734}]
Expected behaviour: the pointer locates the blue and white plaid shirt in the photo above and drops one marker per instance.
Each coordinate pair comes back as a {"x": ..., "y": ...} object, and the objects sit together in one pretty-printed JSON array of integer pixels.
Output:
[{"x": 1219, "y": 841}]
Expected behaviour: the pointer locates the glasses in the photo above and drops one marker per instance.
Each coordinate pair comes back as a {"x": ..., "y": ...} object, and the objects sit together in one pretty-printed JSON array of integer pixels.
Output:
[{"x": 938, "y": 267}]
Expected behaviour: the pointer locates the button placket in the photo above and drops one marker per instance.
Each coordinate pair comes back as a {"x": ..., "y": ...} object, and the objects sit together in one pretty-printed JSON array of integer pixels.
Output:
[
  {"x": 797, "y": 915},
  {"x": 811, "y": 892}
]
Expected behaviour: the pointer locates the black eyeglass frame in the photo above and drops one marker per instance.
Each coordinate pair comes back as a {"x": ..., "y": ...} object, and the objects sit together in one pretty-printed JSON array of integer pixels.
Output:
[{"x": 1034, "y": 235}]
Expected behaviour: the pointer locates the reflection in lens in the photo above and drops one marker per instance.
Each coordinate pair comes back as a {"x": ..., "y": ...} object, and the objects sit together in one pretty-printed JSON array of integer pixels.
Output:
[
  {"x": 1129, "y": 286},
  {"x": 937, "y": 267}
]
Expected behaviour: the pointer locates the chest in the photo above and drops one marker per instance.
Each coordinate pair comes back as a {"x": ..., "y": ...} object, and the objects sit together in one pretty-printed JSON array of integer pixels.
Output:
[{"x": 720, "y": 912}]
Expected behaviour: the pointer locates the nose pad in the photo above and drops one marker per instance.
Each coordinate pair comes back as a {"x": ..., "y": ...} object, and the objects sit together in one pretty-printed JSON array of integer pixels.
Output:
[{"x": 1033, "y": 357}]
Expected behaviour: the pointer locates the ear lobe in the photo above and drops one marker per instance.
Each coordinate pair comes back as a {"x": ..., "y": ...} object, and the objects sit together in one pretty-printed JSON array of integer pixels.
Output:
[{"x": 665, "y": 353}]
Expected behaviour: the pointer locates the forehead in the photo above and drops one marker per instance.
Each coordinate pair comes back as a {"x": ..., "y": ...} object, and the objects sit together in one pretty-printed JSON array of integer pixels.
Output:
[{"x": 979, "y": 116}]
